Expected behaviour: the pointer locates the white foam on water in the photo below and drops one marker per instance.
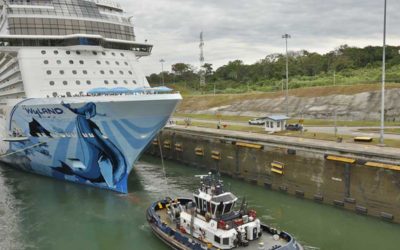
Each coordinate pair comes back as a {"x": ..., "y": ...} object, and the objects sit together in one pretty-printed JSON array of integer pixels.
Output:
[{"x": 10, "y": 233}]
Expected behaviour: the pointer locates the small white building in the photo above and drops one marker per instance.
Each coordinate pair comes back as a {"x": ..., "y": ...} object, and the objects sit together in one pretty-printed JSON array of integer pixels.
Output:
[{"x": 275, "y": 123}]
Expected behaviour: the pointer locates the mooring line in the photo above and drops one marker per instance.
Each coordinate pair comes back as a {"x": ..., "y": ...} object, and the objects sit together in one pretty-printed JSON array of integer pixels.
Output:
[
  {"x": 162, "y": 161},
  {"x": 21, "y": 150}
]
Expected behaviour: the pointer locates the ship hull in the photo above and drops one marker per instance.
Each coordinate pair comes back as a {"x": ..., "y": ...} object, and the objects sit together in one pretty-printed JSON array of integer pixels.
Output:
[{"x": 92, "y": 140}]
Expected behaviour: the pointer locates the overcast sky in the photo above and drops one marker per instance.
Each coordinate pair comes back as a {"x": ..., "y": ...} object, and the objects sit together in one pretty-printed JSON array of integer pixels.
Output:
[{"x": 251, "y": 29}]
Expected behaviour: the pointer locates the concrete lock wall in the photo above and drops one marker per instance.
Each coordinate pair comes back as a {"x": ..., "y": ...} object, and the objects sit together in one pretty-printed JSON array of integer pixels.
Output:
[{"x": 304, "y": 173}]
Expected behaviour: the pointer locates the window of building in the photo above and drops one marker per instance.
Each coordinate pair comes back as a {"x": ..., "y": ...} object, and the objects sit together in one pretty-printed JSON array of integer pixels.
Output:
[
  {"x": 48, "y": 72},
  {"x": 130, "y": 72},
  {"x": 115, "y": 82},
  {"x": 46, "y": 61},
  {"x": 105, "y": 81},
  {"x": 111, "y": 72},
  {"x": 51, "y": 83},
  {"x": 126, "y": 63},
  {"x": 107, "y": 62},
  {"x": 113, "y": 53},
  {"x": 68, "y": 52},
  {"x": 98, "y": 62},
  {"x": 62, "y": 72},
  {"x": 95, "y": 53},
  {"x": 71, "y": 62},
  {"x": 43, "y": 52},
  {"x": 78, "y": 52},
  {"x": 103, "y": 53},
  {"x": 88, "y": 82},
  {"x": 116, "y": 62},
  {"x": 125, "y": 81},
  {"x": 74, "y": 72},
  {"x": 217, "y": 239},
  {"x": 81, "y": 62},
  {"x": 58, "y": 61},
  {"x": 122, "y": 54},
  {"x": 78, "y": 82},
  {"x": 65, "y": 82},
  {"x": 102, "y": 72},
  {"x": 121, "y": 72},
  {"x": 55, "y": 52},
  {"x": 134, "y": 82},
  {"x": 69, "y": 94},
  {"x": 54, "y": 94}
]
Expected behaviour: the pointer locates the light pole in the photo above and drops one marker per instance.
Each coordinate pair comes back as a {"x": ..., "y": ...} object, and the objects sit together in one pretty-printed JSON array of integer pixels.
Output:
[
  {"x": 162, "y": 61},
  {"x": 382, "y": 140},
  {"x": 335, "y": 111},
  {"x": 286, "y": 37}
]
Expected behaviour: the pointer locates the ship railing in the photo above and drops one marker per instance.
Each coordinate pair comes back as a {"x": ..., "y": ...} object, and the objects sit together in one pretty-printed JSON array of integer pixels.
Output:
[
  {"x": 7, "y": 65},
  {"x": 30, "y": 3},
  {"x": 10, "y": 82},
  {"x": 9, "y": 73},
  {"x": 124, "y": 94}
]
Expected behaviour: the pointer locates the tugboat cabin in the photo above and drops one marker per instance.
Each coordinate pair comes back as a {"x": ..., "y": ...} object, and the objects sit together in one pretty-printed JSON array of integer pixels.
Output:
[
  {"x": 208, "y": 203},
  {"x": 213, "y": 219}
]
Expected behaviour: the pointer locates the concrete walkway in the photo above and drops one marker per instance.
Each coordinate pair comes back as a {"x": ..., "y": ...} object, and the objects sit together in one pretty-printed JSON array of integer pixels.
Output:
[{"x": 352, "y": 148}]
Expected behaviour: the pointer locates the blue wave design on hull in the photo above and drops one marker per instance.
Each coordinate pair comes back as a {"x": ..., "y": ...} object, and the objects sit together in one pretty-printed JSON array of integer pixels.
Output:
[{"x": 96, "y": 151}]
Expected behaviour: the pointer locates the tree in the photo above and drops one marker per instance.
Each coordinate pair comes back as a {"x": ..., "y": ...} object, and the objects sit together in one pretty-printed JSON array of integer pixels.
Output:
[
  {"x": 207, "y": 67},
  {"x": 181, "y": 68}
]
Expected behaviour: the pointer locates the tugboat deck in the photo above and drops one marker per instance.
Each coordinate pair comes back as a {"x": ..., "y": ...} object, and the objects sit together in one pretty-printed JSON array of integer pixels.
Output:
[{"x": 269, "y": 242}]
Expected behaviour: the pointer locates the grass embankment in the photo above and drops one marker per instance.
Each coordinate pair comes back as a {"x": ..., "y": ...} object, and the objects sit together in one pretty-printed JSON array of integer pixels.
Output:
[{"x": 304, "y": 135}]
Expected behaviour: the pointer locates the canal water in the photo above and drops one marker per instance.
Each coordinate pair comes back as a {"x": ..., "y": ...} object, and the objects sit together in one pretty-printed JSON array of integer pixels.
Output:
[{"x": 42, "y": 213}]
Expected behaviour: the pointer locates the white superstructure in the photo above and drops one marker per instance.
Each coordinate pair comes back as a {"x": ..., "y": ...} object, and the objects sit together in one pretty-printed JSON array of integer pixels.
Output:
[{"x": 54, "y": 56}]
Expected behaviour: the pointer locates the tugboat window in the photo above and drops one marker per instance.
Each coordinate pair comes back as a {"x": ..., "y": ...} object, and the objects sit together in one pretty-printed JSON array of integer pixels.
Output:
[
  {"x": 217, "y": 239},
  {"x": 227, "y": 208},
  {"x": 225, "y": 241}
]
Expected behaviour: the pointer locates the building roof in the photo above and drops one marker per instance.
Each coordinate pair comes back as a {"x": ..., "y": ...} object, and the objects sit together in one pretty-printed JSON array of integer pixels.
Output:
[{"x": 277, "y": 117}]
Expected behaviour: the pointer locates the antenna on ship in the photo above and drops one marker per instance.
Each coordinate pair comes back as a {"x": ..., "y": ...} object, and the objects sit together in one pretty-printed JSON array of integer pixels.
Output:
[{"x": 202, "y": 72}]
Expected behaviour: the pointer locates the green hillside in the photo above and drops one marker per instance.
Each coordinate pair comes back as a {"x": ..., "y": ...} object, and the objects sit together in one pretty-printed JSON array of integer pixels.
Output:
[{"x": 350, "y": 65}]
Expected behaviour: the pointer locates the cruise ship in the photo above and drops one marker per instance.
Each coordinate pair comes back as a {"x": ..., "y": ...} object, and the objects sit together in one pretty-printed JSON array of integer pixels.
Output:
[{"x": 74, "y": 102}]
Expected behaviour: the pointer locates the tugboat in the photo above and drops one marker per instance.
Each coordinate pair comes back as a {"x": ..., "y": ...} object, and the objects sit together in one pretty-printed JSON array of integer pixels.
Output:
[{"x": 210, "y": 221}]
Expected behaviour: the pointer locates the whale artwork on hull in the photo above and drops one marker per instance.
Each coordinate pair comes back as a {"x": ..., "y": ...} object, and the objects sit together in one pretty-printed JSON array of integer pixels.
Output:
[
  {"x": 79, "y": 142},
  {"x": 101, "y": 161}
]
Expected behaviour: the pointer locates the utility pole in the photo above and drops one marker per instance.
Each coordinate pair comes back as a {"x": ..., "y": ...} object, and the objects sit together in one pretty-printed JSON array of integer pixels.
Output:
[
  {"x": 162, "y": 61},
  {"x": 201, "y": 72},
  {"x": 382, "y": 139},
  {"x": 335, "y": 109},
  {"x": 286, "y": 37}
]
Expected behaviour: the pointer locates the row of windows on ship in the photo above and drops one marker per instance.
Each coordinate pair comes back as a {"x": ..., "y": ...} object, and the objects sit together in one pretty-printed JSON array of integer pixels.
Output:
[
  {"x": 68, "y": 52},
  {"x": 89, "y": 82},
  {"x": 59, "y": 62},
  {"x": 85, "y": 72},
  {"x": 68, "y": 135}
]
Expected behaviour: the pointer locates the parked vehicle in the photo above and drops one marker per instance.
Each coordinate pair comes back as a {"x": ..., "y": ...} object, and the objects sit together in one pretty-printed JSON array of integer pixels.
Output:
[
  {"x": 257, "y": 121},
  {"x": 294, "y": 127}
]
